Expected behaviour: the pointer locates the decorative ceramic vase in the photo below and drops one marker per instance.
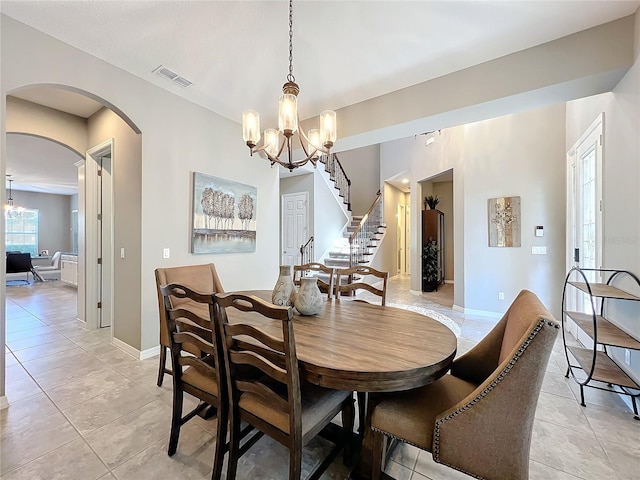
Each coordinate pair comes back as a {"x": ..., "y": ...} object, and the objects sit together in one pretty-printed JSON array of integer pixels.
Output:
[
  {"x": 284, "y": 287},
  {"x": 308, "y": 300}
]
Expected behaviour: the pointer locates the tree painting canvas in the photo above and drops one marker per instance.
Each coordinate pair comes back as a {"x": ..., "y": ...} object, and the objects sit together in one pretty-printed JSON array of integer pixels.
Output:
[
  {"x": 504, "y": 222},
  {"x": 224, "y": 216}
]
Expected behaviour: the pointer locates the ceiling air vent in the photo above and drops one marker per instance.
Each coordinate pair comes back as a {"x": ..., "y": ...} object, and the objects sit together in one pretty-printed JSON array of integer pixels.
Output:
[{"x": 172, "y": 76}]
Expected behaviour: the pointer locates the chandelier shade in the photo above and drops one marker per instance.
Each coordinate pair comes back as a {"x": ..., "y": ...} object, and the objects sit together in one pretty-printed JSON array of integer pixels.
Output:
[{"x": 316, "y": 142}]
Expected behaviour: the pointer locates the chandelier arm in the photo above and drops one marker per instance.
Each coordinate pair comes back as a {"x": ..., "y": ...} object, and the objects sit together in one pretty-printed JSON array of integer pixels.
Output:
[{"x": 306, "y": 139}]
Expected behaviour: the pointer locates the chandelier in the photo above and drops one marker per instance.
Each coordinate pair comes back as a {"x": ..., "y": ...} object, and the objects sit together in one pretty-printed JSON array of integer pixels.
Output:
[
  {"x": 275, "y": 142},
  {"x": 11, "y": 210}
]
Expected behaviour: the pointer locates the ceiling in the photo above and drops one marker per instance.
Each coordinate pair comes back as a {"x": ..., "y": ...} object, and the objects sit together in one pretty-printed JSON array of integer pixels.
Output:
[{"x": 236, "y": 52}]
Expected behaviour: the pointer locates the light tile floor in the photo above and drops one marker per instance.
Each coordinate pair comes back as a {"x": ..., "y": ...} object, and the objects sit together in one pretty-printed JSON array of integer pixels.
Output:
[{"x": 82, "y": 409}]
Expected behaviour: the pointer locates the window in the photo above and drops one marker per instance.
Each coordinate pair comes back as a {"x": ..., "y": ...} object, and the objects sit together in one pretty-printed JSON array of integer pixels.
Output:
[{"x": 22, "y": 232}]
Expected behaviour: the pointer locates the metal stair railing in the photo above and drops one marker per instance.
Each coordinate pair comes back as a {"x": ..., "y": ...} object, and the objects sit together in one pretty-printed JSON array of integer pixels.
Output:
[
  {"x": 338, "y": 176},
  {"x": 306, "y": 252},
  {"x": 360, "y": 241}
]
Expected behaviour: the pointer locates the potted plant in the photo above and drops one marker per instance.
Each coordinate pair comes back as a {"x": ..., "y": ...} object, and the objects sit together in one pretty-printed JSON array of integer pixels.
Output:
[
  {"x": 430, "y": 266},
  {"x": 431, "y": 202}
]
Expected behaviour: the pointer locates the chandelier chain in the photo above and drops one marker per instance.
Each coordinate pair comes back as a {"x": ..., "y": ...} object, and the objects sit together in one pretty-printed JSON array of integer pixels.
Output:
[{"x": 290, "y": 77}]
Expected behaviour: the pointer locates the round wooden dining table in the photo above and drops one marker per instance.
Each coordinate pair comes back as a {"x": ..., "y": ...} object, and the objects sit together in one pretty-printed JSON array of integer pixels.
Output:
[{"x": 353, "y": 345}]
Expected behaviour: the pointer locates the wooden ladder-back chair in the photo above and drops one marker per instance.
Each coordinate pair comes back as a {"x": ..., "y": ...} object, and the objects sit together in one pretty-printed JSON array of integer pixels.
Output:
[
  {"x": 200, "y": 278},
  {"x": 325, "y": 287},
  {"x": 478, "y": 419},
  {"x": 345, "y": 283},
  {"x": 264, "y": 383},
  {"x": 200, "y": 374}
]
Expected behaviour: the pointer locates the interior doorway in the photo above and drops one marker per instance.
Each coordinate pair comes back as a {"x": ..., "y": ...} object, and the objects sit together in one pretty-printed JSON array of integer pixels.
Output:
[
  {"x": 404, "y": 239},
  {"x": 98, "y": 245},
  {"x": 295, "y": 226}
]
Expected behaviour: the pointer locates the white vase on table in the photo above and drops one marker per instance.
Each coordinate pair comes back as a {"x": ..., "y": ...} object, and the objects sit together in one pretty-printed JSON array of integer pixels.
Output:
[
  {"x": 308, "y": 300},
  {"x": 284, "y": 289}
]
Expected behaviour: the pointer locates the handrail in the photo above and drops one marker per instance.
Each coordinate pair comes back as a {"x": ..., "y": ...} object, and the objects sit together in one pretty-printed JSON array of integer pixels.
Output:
[
  {"x": 306, "y": 252},
  {"x": 359, "y": 240},
  {"x": 338, "y": 176},
  {"x": 366, "y": 215}
]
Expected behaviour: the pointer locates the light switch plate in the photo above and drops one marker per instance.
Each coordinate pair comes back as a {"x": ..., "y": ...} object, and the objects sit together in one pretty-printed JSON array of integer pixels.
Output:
[
  {"x": 166, "y": 253},
  {"x": 538, "y": 250}
]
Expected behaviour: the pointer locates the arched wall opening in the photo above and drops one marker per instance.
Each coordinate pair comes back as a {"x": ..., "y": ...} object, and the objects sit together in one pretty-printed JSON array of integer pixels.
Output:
[{"x": 80, "y": 132}]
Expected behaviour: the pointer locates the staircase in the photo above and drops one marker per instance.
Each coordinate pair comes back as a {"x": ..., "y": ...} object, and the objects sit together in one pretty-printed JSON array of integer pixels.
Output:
[{"x": 362, "y": 235}]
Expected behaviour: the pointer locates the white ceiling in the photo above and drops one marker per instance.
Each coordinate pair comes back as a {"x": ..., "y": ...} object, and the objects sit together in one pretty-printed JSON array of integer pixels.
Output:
[{"x": 236, "y": 52}]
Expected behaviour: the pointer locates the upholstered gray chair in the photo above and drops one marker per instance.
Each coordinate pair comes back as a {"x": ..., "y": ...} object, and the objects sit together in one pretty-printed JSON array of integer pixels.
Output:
[{"x": 479, "y": 418}]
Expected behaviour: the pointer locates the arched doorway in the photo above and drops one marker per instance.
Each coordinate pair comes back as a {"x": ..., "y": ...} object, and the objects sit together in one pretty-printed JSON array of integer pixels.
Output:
[{"x": 88, "y": 126}]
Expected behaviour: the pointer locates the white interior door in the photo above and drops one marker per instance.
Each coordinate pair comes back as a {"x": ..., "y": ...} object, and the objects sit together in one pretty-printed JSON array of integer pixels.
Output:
[
  {"x": 585, "y": 208},
  {"x": 295, "y": 226}
]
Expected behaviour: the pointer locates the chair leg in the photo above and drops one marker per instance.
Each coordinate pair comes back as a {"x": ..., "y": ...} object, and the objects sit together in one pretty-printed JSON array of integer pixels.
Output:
[
  {"x": 348, "y": 414},
  {"x": 234, "y": 444},
  {"x": 295, "y": 462},
  {"x": 176, "y": 419},
  {"x": 163, "y": 360},
  {"x": 221, "y": 439},
  {"x": 362, "y": 412},
  {"x": 378, "y": 447}
]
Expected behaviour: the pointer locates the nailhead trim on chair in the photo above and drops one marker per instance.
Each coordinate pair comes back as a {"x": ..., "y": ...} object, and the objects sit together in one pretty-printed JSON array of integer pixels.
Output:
[{"x": 481, "y": 395}]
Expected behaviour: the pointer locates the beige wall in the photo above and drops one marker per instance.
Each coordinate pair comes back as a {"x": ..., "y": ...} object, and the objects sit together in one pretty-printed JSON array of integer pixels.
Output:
[
  {"x": 500, "y": 157},
  {"x": 54, "y": 218},
  {"x": 362, "y": 166},
  {"x": 178, "y": 138},
  {"x": 585, "y": 63},
  {"x": 30, "y": 118},
  {"x": 127, "y": 202}
]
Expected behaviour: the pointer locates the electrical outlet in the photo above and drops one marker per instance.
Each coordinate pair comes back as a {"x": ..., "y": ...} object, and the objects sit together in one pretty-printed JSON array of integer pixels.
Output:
[
  {"x": 166, "y": 253},
  {"x": 627, "y": 356},
  {"x": 500, "y": 295}
]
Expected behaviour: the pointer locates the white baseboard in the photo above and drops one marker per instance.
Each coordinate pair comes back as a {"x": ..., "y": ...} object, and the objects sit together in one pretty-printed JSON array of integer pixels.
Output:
[
  {"x": 448, "y": 281},
  {"x": 457, "y": 308},
  {"x": 4, "y": 403},
  {"x": 126, "y": 348},
  {"x": 415, "y": 292},
  {"x": 150, "y": 352},
  {"x": 483, "y": 313}
]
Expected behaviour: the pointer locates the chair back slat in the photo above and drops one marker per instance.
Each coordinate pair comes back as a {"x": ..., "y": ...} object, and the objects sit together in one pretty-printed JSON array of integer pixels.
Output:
[
  {"x": 182, "y": 313},
  {"x": 259, "y": 362},
  {"x": 325, "y": 287},
  {"x": 191, "y": 337},
  {"x": 201, "y": 366},
  {"x": 253, "y": 332},
  {"x": 349, "y": 286},
  {"x": 268, "y": 395}
]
